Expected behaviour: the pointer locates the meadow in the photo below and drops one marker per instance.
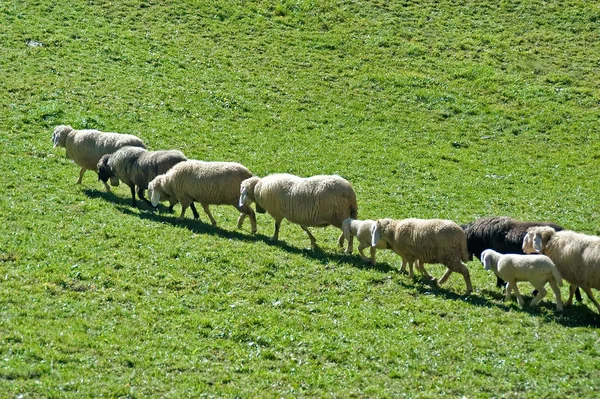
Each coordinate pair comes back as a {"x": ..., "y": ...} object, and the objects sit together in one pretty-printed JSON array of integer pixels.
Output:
[{"x": 432, "y": 109}]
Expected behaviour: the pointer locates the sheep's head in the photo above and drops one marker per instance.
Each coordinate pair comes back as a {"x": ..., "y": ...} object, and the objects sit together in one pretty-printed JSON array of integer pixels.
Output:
[
  {"x": 104, "y": 170},
  {"x": 247, "y": 190},
  {"x": 489, "y": 259},
  {"x": 536, "y": 239},
  {"x": 60, "y": 135},
  {"x": 155, "y": 190}
]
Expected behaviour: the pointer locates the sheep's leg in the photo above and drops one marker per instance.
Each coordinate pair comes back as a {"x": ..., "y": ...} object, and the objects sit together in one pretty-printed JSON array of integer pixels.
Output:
[
  {"x": 410, "y": 268},
  {"x": 554, "y": 286},
  {"x": 313, "y": 240},
  {"x": 210, "y": 216},
  {"x": 373, "y": 251},
  {"x": 361, "y": 248},
  {"x": 106, "y": 187},
  {"x": 194, "y": 211},
  {"x": 508, "y": 291},
  {"x": 513, "y": 286},
  {"x": 240, "y": 220},
  {"x": 590, "y": 295},
  {"x": 184, "y": 205},
  {"x": 277, "y": 226},
  {"x": 445, "y": 276},
  {"x": 341, "y": 242},
  {"x": 572, "y": 289},
  {"x": 421, "y": 267},
  {"x": 246, "y": 211},
  {"x": 132, "y": 188},
  {"x": 140, "y": 193},
  {"x": 81, "y": 172},
  {"x": 540, "y": 295}
]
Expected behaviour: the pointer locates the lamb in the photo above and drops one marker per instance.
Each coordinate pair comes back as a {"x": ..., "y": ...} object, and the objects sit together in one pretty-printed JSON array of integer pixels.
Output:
[
  {"x": 209, "y": 183},
  {"x": 136, "y": 166},
  {"x": 500, "y": 233},
  {"x": 576, "y": 256},
  {"x": 361, "y": 229},
  {"x": 318, "y": 201},
  {"x": 426, "y": 241},
  {"x": 86, "y": 147},
  {"x": 537, "y": 269}
]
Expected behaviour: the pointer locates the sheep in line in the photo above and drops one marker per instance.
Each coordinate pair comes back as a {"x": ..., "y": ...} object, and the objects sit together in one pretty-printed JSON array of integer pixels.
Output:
[
  {"x": 536, "y": 269},
  {"x": 361, "y": 229},
  {"x": 426, "y": 241},
  {"x": 136, "y": 166},
  {"x": 209, "y": 183},
  {"x": 500, "y": 233},
  {"x": 317, "y": 201},
  {"x": 86, "y": 147},
  {"x": 576, "y": 256}
]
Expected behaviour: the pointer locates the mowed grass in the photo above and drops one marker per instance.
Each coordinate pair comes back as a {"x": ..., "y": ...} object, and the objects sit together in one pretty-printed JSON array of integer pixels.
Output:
[{"x": 442, "y": 109}]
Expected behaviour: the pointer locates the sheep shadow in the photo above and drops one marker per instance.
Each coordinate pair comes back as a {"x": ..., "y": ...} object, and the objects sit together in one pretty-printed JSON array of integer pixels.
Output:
[{"x": 161, "y": 214}]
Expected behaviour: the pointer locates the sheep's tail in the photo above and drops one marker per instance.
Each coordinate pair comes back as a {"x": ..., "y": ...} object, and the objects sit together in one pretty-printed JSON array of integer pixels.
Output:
[
  {"x": 354, "y": 211},
  {"x": 464, "y": 252},
  {"x": 557, "y": 276}
]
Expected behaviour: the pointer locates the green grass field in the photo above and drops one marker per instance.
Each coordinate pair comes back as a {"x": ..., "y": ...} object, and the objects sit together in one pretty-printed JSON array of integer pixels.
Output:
[{"x": 432, "y": 109}]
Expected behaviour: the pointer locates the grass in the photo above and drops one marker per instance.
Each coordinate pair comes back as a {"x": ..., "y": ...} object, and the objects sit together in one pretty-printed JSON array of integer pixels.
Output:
[{"x": 431, "y": 109}]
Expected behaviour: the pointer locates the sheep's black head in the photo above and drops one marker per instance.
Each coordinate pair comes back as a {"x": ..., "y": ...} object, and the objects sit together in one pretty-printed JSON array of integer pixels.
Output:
[{"x": 104, "y": 171}]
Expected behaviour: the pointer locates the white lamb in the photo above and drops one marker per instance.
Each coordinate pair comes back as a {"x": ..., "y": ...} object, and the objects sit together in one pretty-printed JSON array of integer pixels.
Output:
[
  {"x": 317, "y": 201},
  {"x": 426, "y": 241},
  {"x": 361, "y": 229},
  {"x": 86, "y": 147},
  {"x": 209, "y": 183},
  {"x": 576, "y": 256},
  {"x": 536, "y": 269}
]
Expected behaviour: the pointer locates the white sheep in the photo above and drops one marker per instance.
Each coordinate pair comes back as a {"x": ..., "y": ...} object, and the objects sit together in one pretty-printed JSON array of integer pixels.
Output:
[
  {"x": 361, "y": 229},
  {"x": 316, "y": 201},
  {"x": 209, "y": 183},
  {"x": 136, "y": 166},
  {"x": 426, "y": 241},
  {"x": 536, "y": 269},
  {"x": 576, "y": 256},
  {"x": 86, "y": 147}
]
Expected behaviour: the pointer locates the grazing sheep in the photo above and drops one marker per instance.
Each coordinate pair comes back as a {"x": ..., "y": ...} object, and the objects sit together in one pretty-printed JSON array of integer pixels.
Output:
[
  {"x": 537, "y": 269},
  {"x": 136, "y": 166},
  {"x": 500, "y": 233},
  {"x": 361, "y": 229},
  {"x": 426, "y": 241},
  {"x": 576, "y": 256},
  {"x": 314, "y": 201},
  {"x": 86, "y": 147},
  {"x": 209, "y": 183}
]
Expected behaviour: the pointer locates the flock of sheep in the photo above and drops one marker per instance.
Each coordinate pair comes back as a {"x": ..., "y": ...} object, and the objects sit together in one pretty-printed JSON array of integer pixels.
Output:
[{"x": 515, "y": 251}]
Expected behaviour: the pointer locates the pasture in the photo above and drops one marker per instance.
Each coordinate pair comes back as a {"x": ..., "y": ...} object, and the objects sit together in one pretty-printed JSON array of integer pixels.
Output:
[{"x": 431, "y": 109}]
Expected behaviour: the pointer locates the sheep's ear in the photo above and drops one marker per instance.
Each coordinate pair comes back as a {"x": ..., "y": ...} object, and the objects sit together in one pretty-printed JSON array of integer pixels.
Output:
[
  {"x": 537, "y": 243},
  {"x": 154, "y": 196},
  {"x": 243, "y": 195},
  {"x": 375, "y": 235}
]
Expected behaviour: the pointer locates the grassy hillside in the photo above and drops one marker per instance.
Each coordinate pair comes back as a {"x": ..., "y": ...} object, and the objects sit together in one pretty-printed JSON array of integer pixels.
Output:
[{"x": 431, "y": 109}]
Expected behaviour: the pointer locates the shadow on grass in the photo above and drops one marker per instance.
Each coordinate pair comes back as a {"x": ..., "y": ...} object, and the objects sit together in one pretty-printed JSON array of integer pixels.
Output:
[
  {"x": 578, "y": 315},
  {"x": 161, "y": 214}
]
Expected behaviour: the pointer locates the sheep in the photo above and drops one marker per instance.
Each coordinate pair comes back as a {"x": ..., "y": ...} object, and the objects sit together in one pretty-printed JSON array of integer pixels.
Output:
[
  {"x": 136, "y": 166},
  {"x": 537, "y": 269},
  {"x": 86, "y": 147},
  {"x": 209, "y": 183},
  {"x": 576, "y": 256},
  {"x": 500, "y": 233},
  {"x": 317, "y": 201},
  {"x": 361, "y": 229},
  {"x": 426, "y": 241}
]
